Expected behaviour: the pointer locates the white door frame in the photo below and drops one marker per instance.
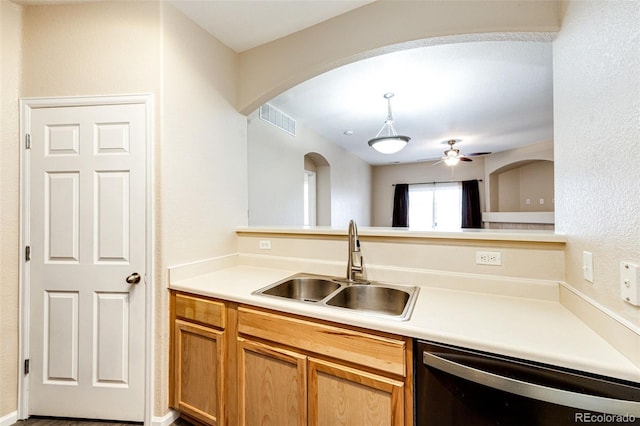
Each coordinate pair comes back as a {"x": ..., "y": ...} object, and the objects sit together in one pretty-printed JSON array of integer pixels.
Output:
[{"x": 26, "y": 106}]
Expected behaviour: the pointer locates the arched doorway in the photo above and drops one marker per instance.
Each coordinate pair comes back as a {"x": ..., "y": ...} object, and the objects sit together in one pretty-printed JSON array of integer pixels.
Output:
[{"x": 317, "y": 189}]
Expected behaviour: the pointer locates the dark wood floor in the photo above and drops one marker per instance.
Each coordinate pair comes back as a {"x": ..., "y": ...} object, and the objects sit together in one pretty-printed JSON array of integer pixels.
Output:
[{"x": 57, "y": 421}]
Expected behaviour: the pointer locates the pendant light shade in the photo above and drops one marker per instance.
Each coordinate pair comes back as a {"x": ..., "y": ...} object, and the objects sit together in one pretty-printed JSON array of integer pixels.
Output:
[{"x": 387, "y": 141}]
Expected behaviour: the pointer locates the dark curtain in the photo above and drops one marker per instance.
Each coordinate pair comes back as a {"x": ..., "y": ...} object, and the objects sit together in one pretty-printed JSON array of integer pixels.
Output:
[
  {"x": 401, "y": 206},
  {"x": 471, "y": 214}
]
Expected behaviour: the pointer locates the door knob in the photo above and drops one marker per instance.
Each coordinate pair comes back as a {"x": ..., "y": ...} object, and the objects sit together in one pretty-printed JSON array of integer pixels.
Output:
[{"x": 133, "y": 278}]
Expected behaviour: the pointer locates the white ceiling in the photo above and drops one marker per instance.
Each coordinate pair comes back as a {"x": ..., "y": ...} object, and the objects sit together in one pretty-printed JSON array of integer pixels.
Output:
[{"x": 493, "y": 96}]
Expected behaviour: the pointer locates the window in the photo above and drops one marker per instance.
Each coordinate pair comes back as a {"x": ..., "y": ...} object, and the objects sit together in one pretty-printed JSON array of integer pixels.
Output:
[{"x": 435, "y": 206}]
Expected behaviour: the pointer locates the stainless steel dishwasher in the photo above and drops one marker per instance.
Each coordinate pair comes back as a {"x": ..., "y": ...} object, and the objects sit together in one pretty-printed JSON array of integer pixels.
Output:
[{"x": 456, "y": 386}]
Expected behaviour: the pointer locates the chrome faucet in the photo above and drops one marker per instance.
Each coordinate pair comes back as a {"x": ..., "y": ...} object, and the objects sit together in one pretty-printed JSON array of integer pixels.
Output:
[{"x": 356, "y": 267}]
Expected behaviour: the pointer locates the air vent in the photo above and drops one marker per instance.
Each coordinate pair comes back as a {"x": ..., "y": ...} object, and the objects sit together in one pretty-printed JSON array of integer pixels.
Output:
[{"x": 278, "y": 118}]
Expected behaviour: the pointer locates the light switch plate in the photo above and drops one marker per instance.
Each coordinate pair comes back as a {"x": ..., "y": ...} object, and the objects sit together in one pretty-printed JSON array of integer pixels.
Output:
[{"x": 629, "y": 283}]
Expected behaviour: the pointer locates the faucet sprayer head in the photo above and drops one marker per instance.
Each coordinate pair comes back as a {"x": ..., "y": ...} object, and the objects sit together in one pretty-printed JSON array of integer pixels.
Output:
[{"x": 357, "y": 266}]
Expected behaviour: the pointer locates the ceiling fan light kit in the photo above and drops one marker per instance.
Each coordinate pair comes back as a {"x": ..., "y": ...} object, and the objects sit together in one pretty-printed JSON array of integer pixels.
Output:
[
  {"x": 391, "y": 142},
  {"x": 452, "y": 156},
  {"x": 451, "y": 161}
]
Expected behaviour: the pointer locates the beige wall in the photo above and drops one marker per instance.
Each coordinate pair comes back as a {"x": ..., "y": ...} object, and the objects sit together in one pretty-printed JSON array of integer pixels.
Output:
[
  {"x": 10, "y": 36},
  {"x": 204, "y": 151},
  {"x": 509, "y": 191},
  {"x": 199, "y": 138},
  {"x": 91, "y": 49},
  {"x": 521, "y": 189},
  {"x": 596, "y": 59},
  {"x": 276, "y": 162},
  {"x": 536, "y": 184},
  {"x": 203, "y": 169},
  {"x": 520, "y": 260}
]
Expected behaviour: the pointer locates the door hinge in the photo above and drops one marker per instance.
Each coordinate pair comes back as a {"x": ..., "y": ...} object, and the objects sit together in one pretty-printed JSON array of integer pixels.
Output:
[
  {"x": 27, "y": 253},
  {"x": 27, "y": 141},
  {"x": 26, "y": 366}
]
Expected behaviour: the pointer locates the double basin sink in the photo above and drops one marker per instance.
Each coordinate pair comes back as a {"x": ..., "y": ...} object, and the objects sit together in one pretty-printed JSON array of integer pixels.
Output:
[{"x": 368, "y": 297}]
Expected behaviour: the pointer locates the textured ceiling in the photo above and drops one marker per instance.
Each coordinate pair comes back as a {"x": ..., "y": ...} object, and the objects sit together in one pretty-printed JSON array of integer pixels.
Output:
[{"x": 493, "y": 96}]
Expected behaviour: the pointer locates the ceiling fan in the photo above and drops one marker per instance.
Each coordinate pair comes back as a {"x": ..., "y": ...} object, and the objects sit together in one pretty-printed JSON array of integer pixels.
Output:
[{"x": 452, "y": 156}]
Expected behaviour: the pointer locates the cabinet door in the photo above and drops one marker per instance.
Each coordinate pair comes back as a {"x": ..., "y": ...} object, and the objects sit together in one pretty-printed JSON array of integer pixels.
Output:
[
  {"x": 272, "y": 385},
  {"x": 340, "y": 395},
  {"x": 199, "y": 372}
]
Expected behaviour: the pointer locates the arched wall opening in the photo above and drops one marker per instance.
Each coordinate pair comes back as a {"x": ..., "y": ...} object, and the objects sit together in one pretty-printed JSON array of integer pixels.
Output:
[
  {"x": 270, "y": 69},
  {"x": 318, "y": 189},
  {"x": 523, "y": 186}
]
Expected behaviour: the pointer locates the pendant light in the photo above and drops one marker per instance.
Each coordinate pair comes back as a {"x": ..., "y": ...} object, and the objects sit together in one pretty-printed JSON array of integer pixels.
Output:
[{"x": 391, "y": 142}]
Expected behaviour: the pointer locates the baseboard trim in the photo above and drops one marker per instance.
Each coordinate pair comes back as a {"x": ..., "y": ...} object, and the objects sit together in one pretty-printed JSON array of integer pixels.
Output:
[
  {"x": 9, "y": 419},
  {"x": 165, "y": 420}
]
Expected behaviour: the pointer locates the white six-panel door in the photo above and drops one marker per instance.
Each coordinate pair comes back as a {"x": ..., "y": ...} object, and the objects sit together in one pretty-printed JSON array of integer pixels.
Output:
[{"x": 87, "y": 232}]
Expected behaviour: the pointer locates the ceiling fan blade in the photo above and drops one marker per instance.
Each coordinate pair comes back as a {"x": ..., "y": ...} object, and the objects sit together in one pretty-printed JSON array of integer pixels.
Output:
[
  {"x": 476, "y": 154},
  {"x": 437, "y": 162},
  {"x": 465, "y": 159}
]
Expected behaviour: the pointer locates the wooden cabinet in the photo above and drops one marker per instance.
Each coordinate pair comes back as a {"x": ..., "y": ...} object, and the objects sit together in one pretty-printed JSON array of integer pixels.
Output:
[
  {"x": 198, "y": 373},
  {"x": 318, "y": 373},
  {"x": 340, "y": 395},
  {"x": 239, "y": 365},
  {"x": 272, "y": 385}
]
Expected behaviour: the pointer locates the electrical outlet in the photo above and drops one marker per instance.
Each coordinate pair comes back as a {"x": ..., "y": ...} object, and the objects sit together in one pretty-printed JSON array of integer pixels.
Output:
[
  {"x": 587, "y": 266},
  {"x": 489, "y": 258},
  {"x": 264, "y": 244}
]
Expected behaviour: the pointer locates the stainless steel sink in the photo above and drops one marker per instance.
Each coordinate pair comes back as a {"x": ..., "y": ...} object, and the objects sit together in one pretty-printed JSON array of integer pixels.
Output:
[
  {"x": 372, "y": 297},
  {"x": 305, "y": 288},
  {"x": 379, "y": 299}
]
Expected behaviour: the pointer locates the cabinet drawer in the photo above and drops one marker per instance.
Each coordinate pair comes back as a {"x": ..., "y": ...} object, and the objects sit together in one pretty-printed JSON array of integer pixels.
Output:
[
  {"x": 200, "y": 310},
  {"x": 379, "y": 352}
]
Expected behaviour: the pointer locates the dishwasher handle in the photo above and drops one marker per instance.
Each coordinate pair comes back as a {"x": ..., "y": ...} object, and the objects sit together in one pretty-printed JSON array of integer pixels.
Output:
[{"x": 531, "y": 390}]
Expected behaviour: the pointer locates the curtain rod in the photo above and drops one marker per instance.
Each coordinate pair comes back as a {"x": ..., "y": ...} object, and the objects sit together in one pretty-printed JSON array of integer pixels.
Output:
[{"x": 444, "y": 181}]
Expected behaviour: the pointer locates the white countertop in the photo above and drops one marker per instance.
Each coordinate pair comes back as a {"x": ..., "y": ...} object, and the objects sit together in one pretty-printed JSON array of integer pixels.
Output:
[
  {"x": 511, "y": 235},
  {"x": 532, "y": 329}
]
